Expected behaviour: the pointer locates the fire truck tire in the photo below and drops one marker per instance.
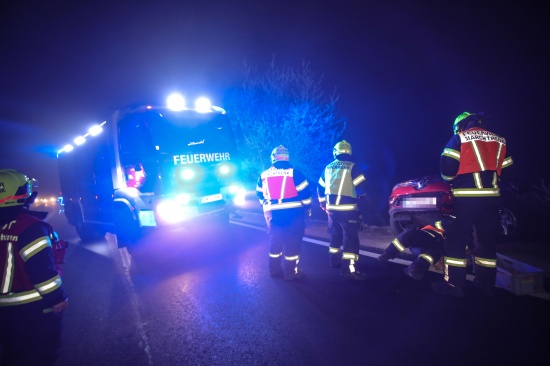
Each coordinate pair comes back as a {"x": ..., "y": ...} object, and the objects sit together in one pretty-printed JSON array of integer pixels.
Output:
[
  {"x": 127, "y": 229},
  {"x": 89, "y": 232}
]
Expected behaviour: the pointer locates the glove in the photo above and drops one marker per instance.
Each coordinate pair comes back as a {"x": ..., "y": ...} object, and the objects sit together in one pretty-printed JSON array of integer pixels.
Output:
[
  {"x": 308, "y": 215},
  {"x": 360, "y": 221}
]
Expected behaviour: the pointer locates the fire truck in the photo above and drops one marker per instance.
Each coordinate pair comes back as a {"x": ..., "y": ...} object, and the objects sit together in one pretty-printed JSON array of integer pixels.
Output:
[{"x": 151, "y": 167}]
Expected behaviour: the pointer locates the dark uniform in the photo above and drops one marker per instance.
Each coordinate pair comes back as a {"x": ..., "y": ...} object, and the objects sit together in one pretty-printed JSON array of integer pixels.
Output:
[
  {"x": 31, "y": 295},
  {"x": 285, "y": 196},
  {"x": 472, "y": 162},
  {"x": 425, "y": 242},
  {"x": 337, "y": 191}
]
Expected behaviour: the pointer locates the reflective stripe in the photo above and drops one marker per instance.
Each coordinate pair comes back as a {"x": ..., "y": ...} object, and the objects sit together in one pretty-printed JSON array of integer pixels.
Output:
[
  {"x": 350, "y": 256},
  {"x": 341, "y": 186},
  {"x": 49, "y": 285},
  {"x": 275, "y": 255},
  {"x": 472, "y": 192},
  {"x": 332, "y": 250},
  {"x": 283, "y": 186},
  {"x": 447, "y": 178},
  {"x": 321, "y": 182},
  {"x": 477, "y": 180},
  {"x": 484, "y": 262},
  {"x": 427, "y": 257},
  {"x": 306, "y": 202},
  {"x": 349, "y": 207},
  {"x": 322, "y": 199},
  {"x": 34, "y": 247},
  {"x": 479, "y": 158},
  {"x": 507, "y": 162},
  {"x": 19, "y": 298},
  {"x": 282, "y": 206},
  {"x": 455, "y": 262},
  {"x": 292, "y": 258},
  {"x": 358, "y": 180},
  {"x": 7, "y": 275},
  {"x": 451, "y": 153},
  {"x": 301, "y": 186},
  {"x": 396, "y": 243}
]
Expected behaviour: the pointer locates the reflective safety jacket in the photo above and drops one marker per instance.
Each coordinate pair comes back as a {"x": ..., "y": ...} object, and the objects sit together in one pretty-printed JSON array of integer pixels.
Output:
[
  {"x": 472, "y": 162},
  {"x": 338, "y": 186},
  {"x": 28, "y": 272},
  {"x": 283, "y": 187}
]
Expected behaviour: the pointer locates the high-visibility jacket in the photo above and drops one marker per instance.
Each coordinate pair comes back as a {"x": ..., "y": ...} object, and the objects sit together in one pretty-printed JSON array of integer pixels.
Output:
[
  {"x": 338, "y": 186},
  {"x": 473, "y": 160},
  {"x": 283, "y": 187},
  {"x": 27, "y": 268}
]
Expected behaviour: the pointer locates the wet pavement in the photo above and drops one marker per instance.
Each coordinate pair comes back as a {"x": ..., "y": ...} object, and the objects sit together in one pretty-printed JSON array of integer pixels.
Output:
[{"x": 375, "y": 239}]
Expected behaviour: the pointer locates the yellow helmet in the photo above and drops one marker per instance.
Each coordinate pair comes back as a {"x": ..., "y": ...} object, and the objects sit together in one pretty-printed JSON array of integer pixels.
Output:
[
  {"x": 465, "y": 118},
  {"x": 15, "y": 188},
  {"x": 342, "y": 147},
  {"x": 280, "y": 153}
]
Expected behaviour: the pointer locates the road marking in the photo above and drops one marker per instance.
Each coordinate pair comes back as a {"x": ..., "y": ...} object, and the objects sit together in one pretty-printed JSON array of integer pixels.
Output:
[{"x": 126, "y": 263}]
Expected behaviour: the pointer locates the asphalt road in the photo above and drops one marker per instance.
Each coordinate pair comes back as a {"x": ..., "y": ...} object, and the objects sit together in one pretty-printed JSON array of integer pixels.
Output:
[{"x": 203, "y": 296}]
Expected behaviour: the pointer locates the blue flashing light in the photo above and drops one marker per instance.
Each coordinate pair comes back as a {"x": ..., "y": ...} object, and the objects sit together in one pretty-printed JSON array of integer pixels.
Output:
[
  {"x": 96, "y": 129},
  {"x": 188, "y": 174},
  {"x": 175, "y": 102},
  {"x": 67, "y": 148},
  {"x": 203, "y": 105},
  {"x": 79, "y": 140}
]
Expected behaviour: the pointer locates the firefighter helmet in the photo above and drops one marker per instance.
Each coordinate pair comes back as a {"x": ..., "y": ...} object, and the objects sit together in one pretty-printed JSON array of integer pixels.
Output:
[
  {"x": 15, "y": 188},
  {"x": 464, "y": 119},
  {"x": 280, "y": 153},
  {"x": 342, "y": 147}
]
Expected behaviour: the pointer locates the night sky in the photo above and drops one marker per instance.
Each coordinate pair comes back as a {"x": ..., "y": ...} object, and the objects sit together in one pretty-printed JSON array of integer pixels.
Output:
[{"x": 403, "y": 69}]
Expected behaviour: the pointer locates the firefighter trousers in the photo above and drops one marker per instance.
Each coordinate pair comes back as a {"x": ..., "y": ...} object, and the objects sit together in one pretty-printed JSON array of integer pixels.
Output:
[
  {"x": 286, "y": 230},
  {"x": 29, "y": 337},
  {"x": 343, "y": 228},
  {"x": 479, "y": 216},
  {"x": 425, "y": 246}
]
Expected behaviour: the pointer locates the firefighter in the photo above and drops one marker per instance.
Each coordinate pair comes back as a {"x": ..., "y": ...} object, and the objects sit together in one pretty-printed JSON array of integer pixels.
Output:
[
  {"x": 425, "y": 242},
  {"x": 285, "y": 196},
  {"x": 338, "y": 190},
  {"x": 472, "y": 162},
  {"x": 32, "y": 298}
]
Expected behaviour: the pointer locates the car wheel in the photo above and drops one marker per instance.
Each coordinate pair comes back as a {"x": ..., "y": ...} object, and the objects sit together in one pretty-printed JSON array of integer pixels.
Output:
[{"x": 509, "y": 223}]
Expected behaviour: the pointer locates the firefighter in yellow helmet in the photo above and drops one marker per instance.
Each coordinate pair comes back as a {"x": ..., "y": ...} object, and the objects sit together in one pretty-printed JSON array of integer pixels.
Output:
[
  {"x": 285, "y": 196},
  {"x": 472, "y": 162},
  {"x": 32, "y": 298},
  {"x": 338, "y": 190}
]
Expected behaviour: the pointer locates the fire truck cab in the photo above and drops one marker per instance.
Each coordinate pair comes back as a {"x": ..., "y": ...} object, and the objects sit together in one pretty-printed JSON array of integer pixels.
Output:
[{"x": 150, "y": 167}]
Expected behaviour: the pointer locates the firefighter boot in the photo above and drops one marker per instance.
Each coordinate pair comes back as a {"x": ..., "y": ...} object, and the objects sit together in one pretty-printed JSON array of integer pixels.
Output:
[
  {"x": 414, "y": 271},
  {"x": 291, "y": 269},
  {"x": 485, "y": 279},
  {"x": 334, "y": 258},
  {"x": 349, "y": 271},
  {"x": 275, "y": 269}
]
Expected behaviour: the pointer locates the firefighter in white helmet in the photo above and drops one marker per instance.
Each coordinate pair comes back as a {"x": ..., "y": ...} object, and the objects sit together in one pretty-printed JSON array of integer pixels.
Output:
[
  {"x": 32, "y": 298},
  {"x": 338, "y": 190},
  {"x": 285, "y": 196}
]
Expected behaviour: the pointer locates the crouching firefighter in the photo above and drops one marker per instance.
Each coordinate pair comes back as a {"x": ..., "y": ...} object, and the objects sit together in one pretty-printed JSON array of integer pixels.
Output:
[
  {"x": 32, "y": 298},
  {"x": 285, "y": 196},
  {"x": 424, "y": 242}
]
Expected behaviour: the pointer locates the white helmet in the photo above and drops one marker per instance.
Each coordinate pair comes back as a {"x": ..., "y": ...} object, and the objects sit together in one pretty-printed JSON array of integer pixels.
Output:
[
  {"x": 280, "y": 153},
  {"x": 15, "y": 188},
  {"x": 342, "y": 147}
]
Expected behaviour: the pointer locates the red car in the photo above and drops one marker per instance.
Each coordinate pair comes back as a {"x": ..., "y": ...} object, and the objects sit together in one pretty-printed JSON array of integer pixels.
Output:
[{"x": 422, "y": 201}]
